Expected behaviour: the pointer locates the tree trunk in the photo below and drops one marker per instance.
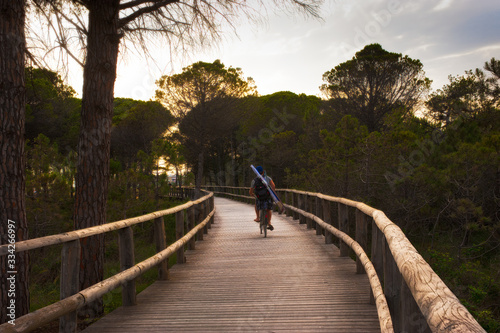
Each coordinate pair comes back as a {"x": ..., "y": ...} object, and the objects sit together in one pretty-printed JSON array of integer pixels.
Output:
[
  {"x": 236, "y": 181},
  {"x": 92, "y": 177},
  {"x": 199, "y": 176},
  {"x": 178, "y": 180},
  {"x": 14, "y": 267}
]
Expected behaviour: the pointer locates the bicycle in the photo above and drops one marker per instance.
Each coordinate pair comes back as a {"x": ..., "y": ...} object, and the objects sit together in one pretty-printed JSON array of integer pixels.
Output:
[{"x": 263, "y": 222}]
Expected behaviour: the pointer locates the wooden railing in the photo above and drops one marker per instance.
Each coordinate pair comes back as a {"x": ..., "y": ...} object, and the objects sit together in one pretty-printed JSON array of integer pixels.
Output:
[
  {"x": 180, "y": 193},
  {"x": 416, "y": 297},
  {"x": 195, "y": 216}
]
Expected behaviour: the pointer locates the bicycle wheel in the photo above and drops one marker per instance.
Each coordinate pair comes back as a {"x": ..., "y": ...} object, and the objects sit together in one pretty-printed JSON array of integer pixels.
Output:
[{"x": 263, "y": 222}]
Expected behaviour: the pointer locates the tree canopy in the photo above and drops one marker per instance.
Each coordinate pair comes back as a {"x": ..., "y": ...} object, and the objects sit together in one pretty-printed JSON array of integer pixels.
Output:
[
  {"x": 375, "y": 82},
  {"x": 136, "y": 124},
  {"x": 51, "y": 109},
  {"x": 199, "y": 84},
  {"x": 202, "y": 97},
  {"x": 466, "y": 96}
]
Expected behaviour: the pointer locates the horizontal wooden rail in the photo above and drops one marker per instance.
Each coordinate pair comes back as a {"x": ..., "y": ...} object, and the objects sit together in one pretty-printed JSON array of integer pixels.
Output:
[
  {"x": 32, "y": 244},
  {"x": 179, "y": 193},
  {"x": 411, "y": 281},
  {"x": 68, "y": 305}
]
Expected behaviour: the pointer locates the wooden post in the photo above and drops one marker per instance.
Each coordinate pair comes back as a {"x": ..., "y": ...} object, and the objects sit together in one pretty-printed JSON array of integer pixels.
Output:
[
  {"x": 207, "y": 211},
  {"x": 161, "y": 244},
  {"x": 179, "y": 233},
  {"x": 201, "y": 216},
  {"x": 377, "y": 257},
  {"x": 310, "y": 209},
  {"x": 280, "y": 194},
  {"x": 70, "y": 270},
  {"x": 318, "y": 213},
  {"x": 302, "y": 205},
  {"x": 190, "y": 225},
  {"x": 295, "y": 203},
  {"x": 361, "y": 237},
  {"x": 344, "y": 227},
  {"x": 127, "y": 260},
  {"x": 212, "y": 206},
  {"x": 288, "y": 212},
  {"x": 412, "y": 319},
  {"x": 327, "y": 217},
  {"x": 392, "y": 288}
]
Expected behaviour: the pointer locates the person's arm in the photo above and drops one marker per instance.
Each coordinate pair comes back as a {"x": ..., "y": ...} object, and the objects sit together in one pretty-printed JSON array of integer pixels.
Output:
[{"x": 271, "y": 183}]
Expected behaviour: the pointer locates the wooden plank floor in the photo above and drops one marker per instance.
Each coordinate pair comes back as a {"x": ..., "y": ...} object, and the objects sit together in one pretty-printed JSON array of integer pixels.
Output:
[{"x": 236, "y": 280}]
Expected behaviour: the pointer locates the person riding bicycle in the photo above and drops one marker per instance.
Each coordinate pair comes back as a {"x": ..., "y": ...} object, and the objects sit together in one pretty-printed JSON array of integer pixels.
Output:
[{"x": 263, "y": 198}]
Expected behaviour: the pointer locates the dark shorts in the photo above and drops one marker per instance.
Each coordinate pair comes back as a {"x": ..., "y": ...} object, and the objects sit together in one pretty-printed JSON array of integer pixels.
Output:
[{"x": 266, "y": 204}]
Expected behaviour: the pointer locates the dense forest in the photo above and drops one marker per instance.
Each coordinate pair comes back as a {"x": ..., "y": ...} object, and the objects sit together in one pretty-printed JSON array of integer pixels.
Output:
[{"x": 429, "y": 159}]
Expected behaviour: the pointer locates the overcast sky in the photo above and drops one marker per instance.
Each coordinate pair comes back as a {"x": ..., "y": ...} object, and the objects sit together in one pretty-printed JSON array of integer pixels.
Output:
[{"x": 292, "y": 53}]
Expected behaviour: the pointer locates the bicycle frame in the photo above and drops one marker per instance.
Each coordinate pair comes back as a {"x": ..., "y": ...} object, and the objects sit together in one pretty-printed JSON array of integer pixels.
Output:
[{"x": 263, "y": 222}]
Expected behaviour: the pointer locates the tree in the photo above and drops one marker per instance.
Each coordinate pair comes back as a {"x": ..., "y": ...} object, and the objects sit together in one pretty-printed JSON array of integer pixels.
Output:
[
  {"x": 463, "y": 97},
  {"x": 493, "y": 81},
  {"x": 136, "y": 128},
  {"x": 51, "y": 109},
  {"x": 172, "y": 154},
  {"x": 49, "y": 182},
  {"x": 108, "y": 23},
  {"x": 338, "y": 159},
  {"x": 271, "y": 123},
  {"x": 201, "y": 98},
  {"x": 13, "y": 223},
  {"x": 375, "y": 82},
  {"x": 467, "y": 95}
]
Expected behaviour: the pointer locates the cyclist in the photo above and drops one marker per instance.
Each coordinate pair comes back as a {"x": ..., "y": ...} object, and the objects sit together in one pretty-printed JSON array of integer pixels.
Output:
[{"x": 263, "y": 198}]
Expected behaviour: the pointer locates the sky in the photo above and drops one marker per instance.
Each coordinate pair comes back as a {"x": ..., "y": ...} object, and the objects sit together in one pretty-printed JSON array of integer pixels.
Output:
[{"x": 292, "y": 52}]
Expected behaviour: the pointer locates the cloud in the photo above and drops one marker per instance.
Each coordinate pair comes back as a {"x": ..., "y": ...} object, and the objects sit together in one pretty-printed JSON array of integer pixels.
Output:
[
  {"x": 444, "y": 4},
  {"x": 292, "y": 53},
  {"x": 470, "y": 52}
]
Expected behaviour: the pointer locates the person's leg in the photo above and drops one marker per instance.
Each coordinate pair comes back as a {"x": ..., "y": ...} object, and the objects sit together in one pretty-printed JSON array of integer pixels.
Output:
[
  {"x": 269, "y": 215},
  {"x": 257, "y": 219}
]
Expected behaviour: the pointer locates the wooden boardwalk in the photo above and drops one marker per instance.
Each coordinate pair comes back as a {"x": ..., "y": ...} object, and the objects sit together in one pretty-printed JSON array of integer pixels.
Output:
[{"x": 236, "y": 280}]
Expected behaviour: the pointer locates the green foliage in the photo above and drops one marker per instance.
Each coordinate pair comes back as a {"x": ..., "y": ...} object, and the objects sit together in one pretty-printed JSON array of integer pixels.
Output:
[
  {"x": 136, "y": 124},
  {"x": 375, "y": 82},
  {"x": 51, "y": 109},
  {"x": 134, "y": 191},
  {"x": 44, "y": 276},
  {"x": 334, "y": 162},
  {"x": 276, "y": 130},
  {"x": 199, "y": 83},
  {"x": 203, "y": 98},
  {"x": 49, "y": 185},
  {"x": 476, "y": 285},
  {"x": 467, "y": 95}
]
